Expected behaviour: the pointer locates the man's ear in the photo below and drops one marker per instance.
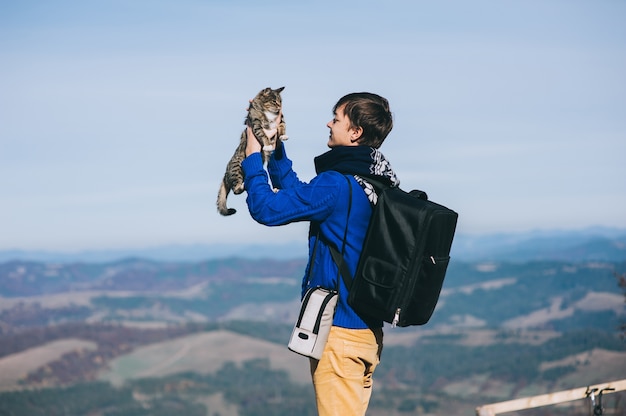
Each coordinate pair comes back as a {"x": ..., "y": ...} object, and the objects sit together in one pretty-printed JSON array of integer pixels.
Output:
[{"x": 355, "y": 134}]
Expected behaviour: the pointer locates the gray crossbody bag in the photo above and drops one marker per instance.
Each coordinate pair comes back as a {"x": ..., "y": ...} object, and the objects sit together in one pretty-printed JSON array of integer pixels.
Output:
[{"x": 317, "y": 310}]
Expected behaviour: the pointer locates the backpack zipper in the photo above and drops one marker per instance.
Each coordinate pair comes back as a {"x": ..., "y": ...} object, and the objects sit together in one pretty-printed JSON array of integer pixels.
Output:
[{"x": 396, "y": 318}]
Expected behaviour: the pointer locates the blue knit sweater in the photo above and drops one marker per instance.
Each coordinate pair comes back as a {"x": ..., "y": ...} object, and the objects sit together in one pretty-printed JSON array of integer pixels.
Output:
[{"x": 323, "y": 201}]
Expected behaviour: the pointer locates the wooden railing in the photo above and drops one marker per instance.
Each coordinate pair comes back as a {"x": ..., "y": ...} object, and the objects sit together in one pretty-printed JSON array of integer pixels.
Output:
[{"x": 548, "y": 399}]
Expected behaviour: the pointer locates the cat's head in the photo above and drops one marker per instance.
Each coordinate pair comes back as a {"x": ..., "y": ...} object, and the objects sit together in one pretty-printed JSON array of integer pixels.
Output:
[{"x": 269, "y": 100}]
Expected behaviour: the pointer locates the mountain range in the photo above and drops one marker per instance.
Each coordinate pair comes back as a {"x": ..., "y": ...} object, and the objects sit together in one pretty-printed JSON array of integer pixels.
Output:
[
  {"x": 594, "y": 243},
  {"x": 202, "y": 330}
]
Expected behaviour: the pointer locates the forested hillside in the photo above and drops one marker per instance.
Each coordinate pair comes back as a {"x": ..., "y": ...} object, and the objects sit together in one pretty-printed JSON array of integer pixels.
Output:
[{"x": 139, "y": 337}]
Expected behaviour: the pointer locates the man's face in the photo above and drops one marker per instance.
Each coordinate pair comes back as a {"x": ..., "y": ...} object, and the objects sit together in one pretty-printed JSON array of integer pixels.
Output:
[{"x": 340, "y": 132}]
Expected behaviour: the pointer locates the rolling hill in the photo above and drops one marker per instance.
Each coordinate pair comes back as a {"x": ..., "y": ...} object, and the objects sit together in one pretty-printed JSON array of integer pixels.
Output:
[{"x": 203, "y": 337}]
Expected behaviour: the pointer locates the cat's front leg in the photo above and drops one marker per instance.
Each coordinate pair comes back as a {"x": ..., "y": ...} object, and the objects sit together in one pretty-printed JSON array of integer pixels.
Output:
[
  {"x": 269, "y": 145},
  {"x": 282, "y": 133}
]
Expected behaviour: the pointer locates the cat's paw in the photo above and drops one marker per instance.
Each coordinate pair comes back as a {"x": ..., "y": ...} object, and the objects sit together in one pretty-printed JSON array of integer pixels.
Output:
[
  {"x": 238, "y": 189},
  {"x": 269, "y": 148},
  {"x": 284, "y": 137}
]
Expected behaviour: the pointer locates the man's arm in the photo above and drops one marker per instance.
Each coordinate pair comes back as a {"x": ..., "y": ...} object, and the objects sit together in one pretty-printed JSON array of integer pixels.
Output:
[{"x": 279, "y": 166}]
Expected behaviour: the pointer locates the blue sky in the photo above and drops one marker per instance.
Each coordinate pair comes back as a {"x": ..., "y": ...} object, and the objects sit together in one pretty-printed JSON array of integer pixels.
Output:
[{"x": 117, "y": 118}]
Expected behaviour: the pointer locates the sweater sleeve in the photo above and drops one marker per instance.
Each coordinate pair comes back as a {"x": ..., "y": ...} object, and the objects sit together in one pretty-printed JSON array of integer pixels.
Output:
[
  {"x": 313, "y": 201},
  {"x": 281, "y": 171}
]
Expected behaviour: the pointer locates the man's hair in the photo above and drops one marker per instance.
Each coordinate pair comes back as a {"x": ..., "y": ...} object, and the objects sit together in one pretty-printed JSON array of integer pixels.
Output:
[{"x": 369, "y": 112}]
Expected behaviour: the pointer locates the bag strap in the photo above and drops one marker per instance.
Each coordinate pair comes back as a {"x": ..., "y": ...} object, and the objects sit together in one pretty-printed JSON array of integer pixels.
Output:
[
  {"x": 338, "y": 258},
  {"x": 380, "y": 186},
  {"x": 376, "y": 183},
  {"x": 313, "y": 254},
  {"x": 342, "y": 267}
]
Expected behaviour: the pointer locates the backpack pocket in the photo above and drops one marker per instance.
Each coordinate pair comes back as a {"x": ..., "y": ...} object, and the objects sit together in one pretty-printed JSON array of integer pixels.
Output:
[{"x": 373, "y": 292}]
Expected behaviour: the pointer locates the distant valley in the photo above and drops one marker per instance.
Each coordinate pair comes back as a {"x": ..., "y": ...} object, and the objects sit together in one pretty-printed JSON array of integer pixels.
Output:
[{"x": 200, "y": 336}]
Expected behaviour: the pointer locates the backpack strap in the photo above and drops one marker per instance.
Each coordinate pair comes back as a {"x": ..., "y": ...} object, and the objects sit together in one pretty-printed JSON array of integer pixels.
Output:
[
  {"x": 378, "y": 185},
  {"x": 338, "y": 258}
]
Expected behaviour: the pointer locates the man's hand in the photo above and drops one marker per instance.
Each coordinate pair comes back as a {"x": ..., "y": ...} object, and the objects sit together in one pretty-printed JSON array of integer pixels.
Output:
[{"x": 252, "y": 143}]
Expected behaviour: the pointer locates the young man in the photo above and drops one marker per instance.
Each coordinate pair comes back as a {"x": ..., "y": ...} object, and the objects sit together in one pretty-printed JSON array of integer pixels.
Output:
[{"x": 361, "y": 121}]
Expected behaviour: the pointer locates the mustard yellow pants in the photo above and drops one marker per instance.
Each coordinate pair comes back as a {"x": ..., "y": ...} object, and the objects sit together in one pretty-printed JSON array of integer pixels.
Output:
[{"x": 343, "y": 376}]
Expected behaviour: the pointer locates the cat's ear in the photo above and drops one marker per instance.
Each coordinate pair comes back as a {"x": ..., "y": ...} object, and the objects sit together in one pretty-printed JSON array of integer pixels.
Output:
[{"x": 280, "y": 89}]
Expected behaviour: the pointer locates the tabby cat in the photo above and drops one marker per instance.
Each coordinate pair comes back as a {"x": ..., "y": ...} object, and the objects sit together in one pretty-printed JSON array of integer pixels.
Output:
[{"x": 262, "y": 115}]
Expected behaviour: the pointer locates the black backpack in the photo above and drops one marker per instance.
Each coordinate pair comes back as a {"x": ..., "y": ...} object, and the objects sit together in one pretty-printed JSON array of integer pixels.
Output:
[{"x": 404, "y": 258}]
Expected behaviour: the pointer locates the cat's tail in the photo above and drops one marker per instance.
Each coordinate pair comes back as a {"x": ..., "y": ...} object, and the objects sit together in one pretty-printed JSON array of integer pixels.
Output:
[{"x": 221, "y": 200}]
